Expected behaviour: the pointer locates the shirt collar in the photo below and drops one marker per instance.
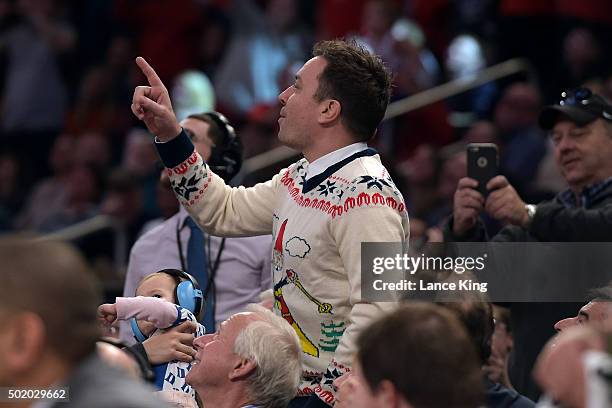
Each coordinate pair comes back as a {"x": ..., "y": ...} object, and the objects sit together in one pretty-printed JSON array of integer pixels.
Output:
[
  {"x": 182, "y": 216},
  {"x": 322, "y": 163},
  {"x": 588, "y": 195}
]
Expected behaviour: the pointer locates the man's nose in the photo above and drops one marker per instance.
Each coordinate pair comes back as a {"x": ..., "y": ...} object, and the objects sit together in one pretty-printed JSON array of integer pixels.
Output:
[
  {"x": 201, "y": 341},
  {"x": 565, "y": 323},
  {"x": 565, "y": 144},
  {"x": 283, "y": 96}
]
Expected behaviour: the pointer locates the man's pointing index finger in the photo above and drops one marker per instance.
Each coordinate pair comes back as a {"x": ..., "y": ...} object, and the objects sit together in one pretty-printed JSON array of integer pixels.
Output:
[{"x": 149, "y": 72}]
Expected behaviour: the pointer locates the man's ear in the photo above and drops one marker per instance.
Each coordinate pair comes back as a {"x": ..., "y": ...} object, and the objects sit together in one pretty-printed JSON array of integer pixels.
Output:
[
  {"x": 329, "y": 112},
  {"x": 388, "y": 395},
  {"x": 242, "y": 368},
  {"x": 26, "y": 342}
]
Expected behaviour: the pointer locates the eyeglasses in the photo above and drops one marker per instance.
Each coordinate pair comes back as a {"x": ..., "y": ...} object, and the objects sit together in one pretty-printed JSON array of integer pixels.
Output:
[{"x": 579, "y": 96}]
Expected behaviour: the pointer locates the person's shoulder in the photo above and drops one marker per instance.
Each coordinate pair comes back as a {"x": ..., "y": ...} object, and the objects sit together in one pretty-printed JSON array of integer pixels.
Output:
[
  {"x": 499, "y": 396},
  {"x": 153, "y": 237},
  {"x": 98, "y": 385}
]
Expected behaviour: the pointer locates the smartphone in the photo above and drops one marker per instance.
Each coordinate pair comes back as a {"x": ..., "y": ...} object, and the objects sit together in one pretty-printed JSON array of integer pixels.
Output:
[{"x": 482, "y": 164}]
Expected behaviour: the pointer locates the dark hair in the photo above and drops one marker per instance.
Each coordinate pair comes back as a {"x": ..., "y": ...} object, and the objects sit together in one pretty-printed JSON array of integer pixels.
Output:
[
  {"x": 425, "y": 352},
  {"x": 477, "y": 317},
  {"x": 603, "y": 293},
  {"x": 215, "y": 133},
  {"x": 51, "y": 280},
  {"x": 358, "y": 80}
]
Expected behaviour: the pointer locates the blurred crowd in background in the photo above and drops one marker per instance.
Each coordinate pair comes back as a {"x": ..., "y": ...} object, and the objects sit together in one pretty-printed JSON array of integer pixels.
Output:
[{"x": 71, "y": 149}]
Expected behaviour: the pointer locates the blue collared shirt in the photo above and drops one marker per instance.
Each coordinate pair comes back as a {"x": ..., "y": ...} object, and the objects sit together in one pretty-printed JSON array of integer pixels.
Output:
[{"x": 586, "y": 198}]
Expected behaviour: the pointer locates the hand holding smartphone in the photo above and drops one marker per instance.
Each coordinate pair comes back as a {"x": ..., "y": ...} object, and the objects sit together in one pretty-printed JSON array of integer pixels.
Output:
[{"x": 482, "y": 164}]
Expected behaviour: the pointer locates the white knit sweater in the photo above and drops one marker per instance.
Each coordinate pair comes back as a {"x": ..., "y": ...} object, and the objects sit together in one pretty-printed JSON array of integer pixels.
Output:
[{"x": 318, "y": 231}]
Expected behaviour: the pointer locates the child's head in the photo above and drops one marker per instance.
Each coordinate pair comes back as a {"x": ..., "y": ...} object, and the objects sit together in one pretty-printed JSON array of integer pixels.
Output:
[
  {"x": 164, "y": 284},
  {"x": 159, "y": 284}
]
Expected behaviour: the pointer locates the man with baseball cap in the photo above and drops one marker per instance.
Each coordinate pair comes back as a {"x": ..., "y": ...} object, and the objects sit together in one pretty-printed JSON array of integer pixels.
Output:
[{"x": 580, "y": 125}]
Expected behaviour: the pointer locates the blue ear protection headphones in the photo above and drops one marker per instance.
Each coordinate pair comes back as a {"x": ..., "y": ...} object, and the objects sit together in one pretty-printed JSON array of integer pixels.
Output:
[{"x": 187, "y": 293}]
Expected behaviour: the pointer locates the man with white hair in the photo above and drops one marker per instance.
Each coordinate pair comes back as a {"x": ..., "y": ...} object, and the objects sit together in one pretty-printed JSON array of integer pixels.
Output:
[{"x": 253, "y": 360}]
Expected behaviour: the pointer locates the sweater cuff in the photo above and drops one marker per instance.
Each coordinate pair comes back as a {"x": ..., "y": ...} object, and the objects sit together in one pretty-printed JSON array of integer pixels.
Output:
[
  {"x": 175, "y": 151},
  {"x": 315, "y": 402}
]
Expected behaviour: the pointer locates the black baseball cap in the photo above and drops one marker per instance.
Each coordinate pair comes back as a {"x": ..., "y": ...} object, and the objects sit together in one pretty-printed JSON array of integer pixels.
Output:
[{"x": 580, "y": 105}]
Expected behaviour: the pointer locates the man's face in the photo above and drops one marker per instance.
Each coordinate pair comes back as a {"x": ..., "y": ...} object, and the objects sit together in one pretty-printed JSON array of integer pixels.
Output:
[
  {"x": 596, "y": 312},
  {"x": 199, "y": 129},
  {"x": 215, "y": 358},
  {"x": 583, "y": 154},
  {"x": 300, "y": 110}
]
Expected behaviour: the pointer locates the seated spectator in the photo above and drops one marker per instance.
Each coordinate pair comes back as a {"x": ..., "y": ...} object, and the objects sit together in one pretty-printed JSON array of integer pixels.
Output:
[
  {"x": 477, "y": 315},
  {"x": 48, "y": 196},
  {"x": 253, "y": 360},
  {"x": 83, "y": 188},
  {"x": 164, "y": 299},
  {"x": 48, "y": 302},
  {"x": 522, "y": 144},
  {"x": 575, "y": 368},
  {"x": 501, "y": 346},
  {"x": 598, "y": 311},
  {"x": 419, "y": 356},
  {"x": 115, "y": 357},
  {"x": 581, "y": 131}
]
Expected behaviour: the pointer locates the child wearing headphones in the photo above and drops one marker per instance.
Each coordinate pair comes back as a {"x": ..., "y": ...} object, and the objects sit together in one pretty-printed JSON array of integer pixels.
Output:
[{"x": 164, "y": 299}]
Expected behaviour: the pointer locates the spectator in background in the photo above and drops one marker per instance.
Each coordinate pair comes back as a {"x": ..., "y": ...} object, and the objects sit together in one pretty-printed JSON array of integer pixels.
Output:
[
  {"x": 417, "y": 356},
  {"x": 115, "y": 357},
  {"x": 83, "y": 192},
  {"x": 141, "y": 160},
  {"x": 101, "y": 91},
  {"x": 476, "y": 313},
  {"x": 421, "y": 172},
  {"x": 165, "y": 32},
  {"x": 264, "y": 42},
  {"x": 34, "y": 98},
  {"x": 522, "y": 144},
  {"x": 253, "y": 360},
  {"x": 93, "y": 109},
  {"x": 582, "y": 56},
  {"x": 465, "y": 58},
  {"x": 501, "y": 346},
  {"x": 11, "y": 189},
  {"x": 48, "y": 301},
  {"x": 49, "y": 195},
  {"x": 213, "y": 43},
  {"x": 482, "y": 131},
  {"x": 124, "y": 201},
  {"x": 581, "y": 131},
  {"x": 92, "y": 149}
]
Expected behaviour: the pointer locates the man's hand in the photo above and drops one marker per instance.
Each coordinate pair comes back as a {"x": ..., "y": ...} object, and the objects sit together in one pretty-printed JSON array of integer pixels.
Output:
[
  {"x": 468, "y": 203},
  {"x": 504, "y": 203},
  {"x": 175, "y": 344},
  {"x": 344, "y": 386},
  {"x": 152, "y": 105},
  {"x": 107, "y": 313}
]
